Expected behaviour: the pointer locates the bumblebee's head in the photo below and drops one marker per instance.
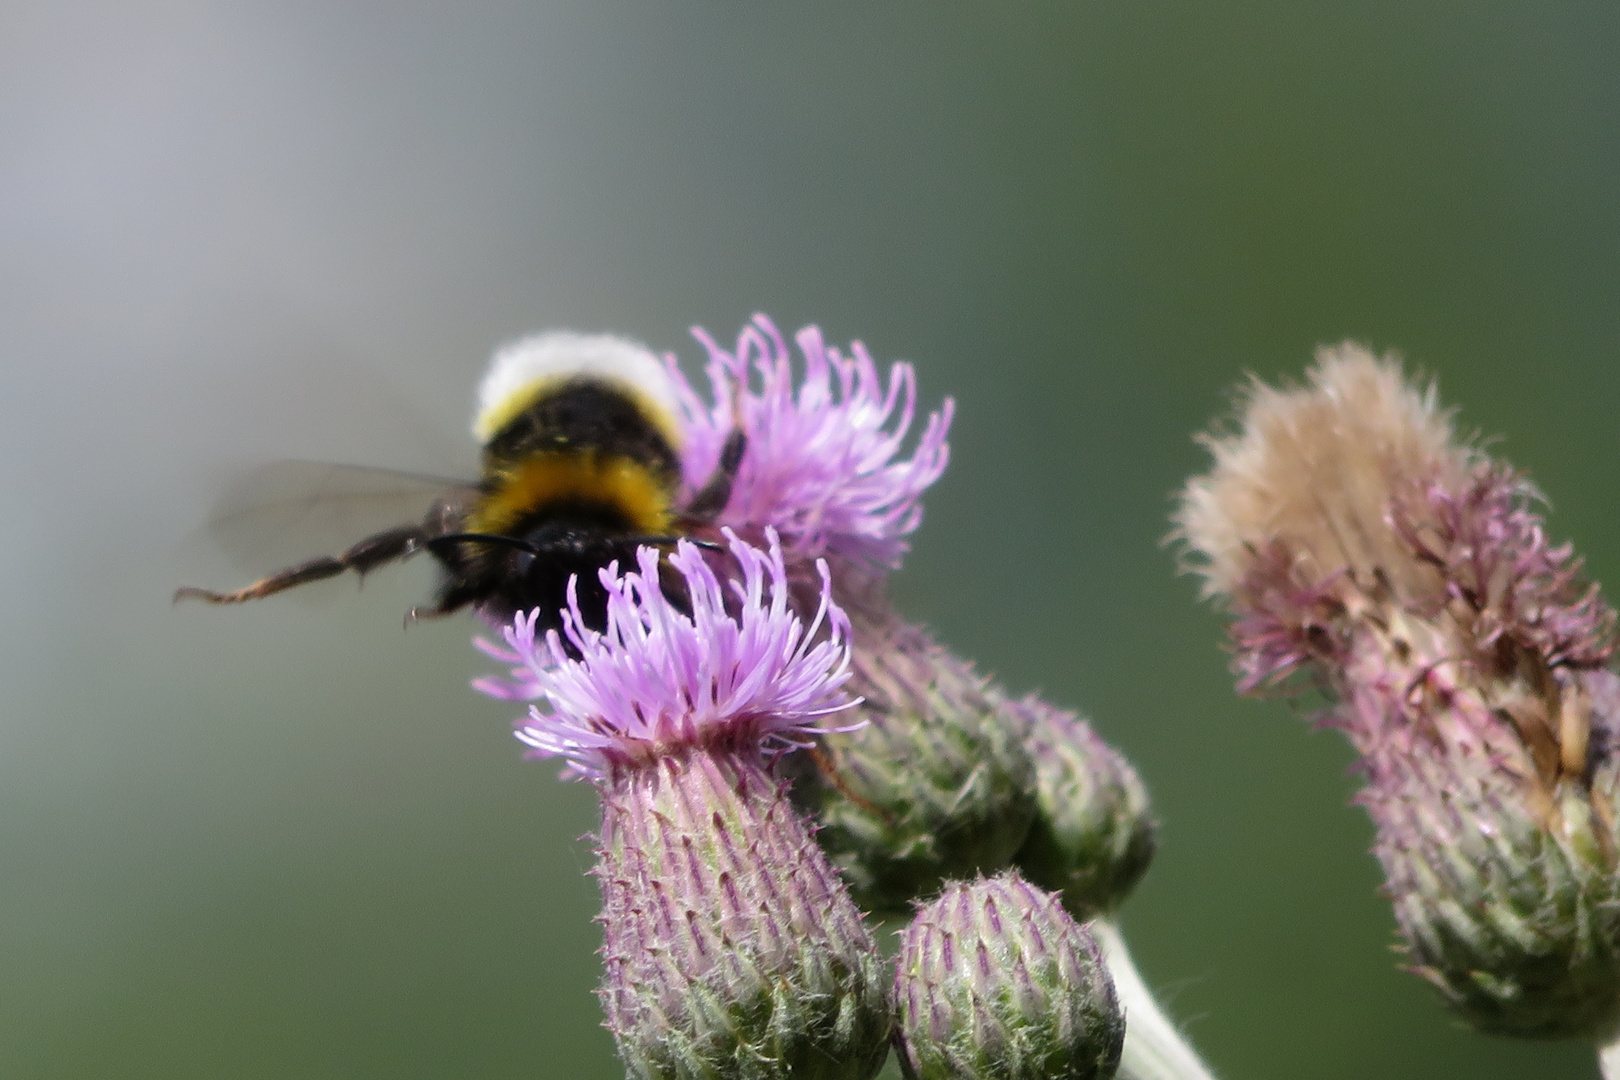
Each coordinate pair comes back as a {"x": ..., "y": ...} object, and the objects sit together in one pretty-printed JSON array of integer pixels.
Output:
[{"x": 529, "y": 368}]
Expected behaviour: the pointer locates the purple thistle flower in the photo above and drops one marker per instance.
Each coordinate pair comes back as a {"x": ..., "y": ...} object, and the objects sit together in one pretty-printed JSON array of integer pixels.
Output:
[
  {"x": 663, "y": 676},
  {"x": 823, "y": 465},
  {"x": 1358, "y": 543},
  {"x": 731, "y": 948}
]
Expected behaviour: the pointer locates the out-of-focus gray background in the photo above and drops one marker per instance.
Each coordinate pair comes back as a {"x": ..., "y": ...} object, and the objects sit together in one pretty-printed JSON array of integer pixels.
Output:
[{"x": 287, "y": 840}]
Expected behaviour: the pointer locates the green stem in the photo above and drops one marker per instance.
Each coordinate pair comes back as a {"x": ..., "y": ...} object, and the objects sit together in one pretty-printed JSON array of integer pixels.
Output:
[
  {"x": 1609, "y": 1059},
  {"x": 1154, "y": 1047}
]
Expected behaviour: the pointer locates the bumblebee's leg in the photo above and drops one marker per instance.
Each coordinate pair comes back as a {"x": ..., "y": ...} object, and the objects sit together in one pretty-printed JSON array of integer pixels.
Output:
[
  {"x": 829, "y": 772},
  {"x": 362, "y": 558},
  {"x": 454, "y": 597},
  {"x": 707, "y": 504}
]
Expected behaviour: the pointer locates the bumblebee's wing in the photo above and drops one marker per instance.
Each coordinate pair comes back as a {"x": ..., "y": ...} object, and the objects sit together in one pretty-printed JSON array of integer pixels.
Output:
[{"x": 290, "y": 511}]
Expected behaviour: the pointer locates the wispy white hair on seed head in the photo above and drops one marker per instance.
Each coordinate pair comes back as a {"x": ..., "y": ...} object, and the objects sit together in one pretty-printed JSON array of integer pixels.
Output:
[
  {"x": 519, "y": 369},
  {"x": 1315, "y": 466}
]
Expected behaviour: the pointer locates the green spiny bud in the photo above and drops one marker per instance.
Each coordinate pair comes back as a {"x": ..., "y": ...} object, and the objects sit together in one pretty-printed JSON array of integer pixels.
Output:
[
  {"x": 1092, "y": 838},
  {"x": 937, "y": 785},
  {"x": 996, "y": 981}
]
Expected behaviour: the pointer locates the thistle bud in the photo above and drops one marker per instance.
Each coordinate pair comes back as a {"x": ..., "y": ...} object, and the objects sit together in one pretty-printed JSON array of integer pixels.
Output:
[
  {"x": 937, "y": 785},
  {"x": 1092, "y": 837},
  {"x": 995, "y": 981},
  {"x": 1359, "y": 544}
]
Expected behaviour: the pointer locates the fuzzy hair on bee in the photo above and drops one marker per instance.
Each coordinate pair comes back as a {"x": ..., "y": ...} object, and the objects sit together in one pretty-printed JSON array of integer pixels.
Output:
[{"x": 580, "y": 466}]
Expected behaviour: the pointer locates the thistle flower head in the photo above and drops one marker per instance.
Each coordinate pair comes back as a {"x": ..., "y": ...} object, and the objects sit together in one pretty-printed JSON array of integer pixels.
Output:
[
  {"x": 724, "y": 664},
  {"x": 995, "y": 981},
  {"x": 731, "y": 948},
  {"x": 1359, "y": 544},
  {"x": 824, "y": 465}
]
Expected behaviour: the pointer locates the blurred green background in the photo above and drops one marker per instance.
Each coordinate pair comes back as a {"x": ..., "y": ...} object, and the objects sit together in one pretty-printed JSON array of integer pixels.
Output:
[{"x": 287, "y": 840}]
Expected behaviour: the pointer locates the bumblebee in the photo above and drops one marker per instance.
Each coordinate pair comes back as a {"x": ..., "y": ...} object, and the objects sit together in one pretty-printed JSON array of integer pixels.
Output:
[{"x": 580, "y": 466}]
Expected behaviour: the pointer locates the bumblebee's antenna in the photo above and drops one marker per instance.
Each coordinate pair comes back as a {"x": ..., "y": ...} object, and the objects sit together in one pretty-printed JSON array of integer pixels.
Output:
[{"x": 538, "y": 550}]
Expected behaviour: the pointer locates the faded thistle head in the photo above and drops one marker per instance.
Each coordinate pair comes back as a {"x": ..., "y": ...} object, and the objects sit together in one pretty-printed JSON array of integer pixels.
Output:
[
  {"x": 731, "y": 948},
  {"x": 1363, "y": 548},
  {"x": 996, "y": 981}
]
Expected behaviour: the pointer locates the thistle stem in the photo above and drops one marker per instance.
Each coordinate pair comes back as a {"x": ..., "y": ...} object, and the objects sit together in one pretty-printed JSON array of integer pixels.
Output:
[
  {"x": 1609, "y": 1058},
  {"x": 1154, "y": 1047}
]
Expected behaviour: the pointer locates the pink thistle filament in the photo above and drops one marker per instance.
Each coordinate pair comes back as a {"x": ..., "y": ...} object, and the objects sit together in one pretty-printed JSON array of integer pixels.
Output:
[
  {"x": 661, "y": 677},
  {"x": 824, "y": 465}
]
